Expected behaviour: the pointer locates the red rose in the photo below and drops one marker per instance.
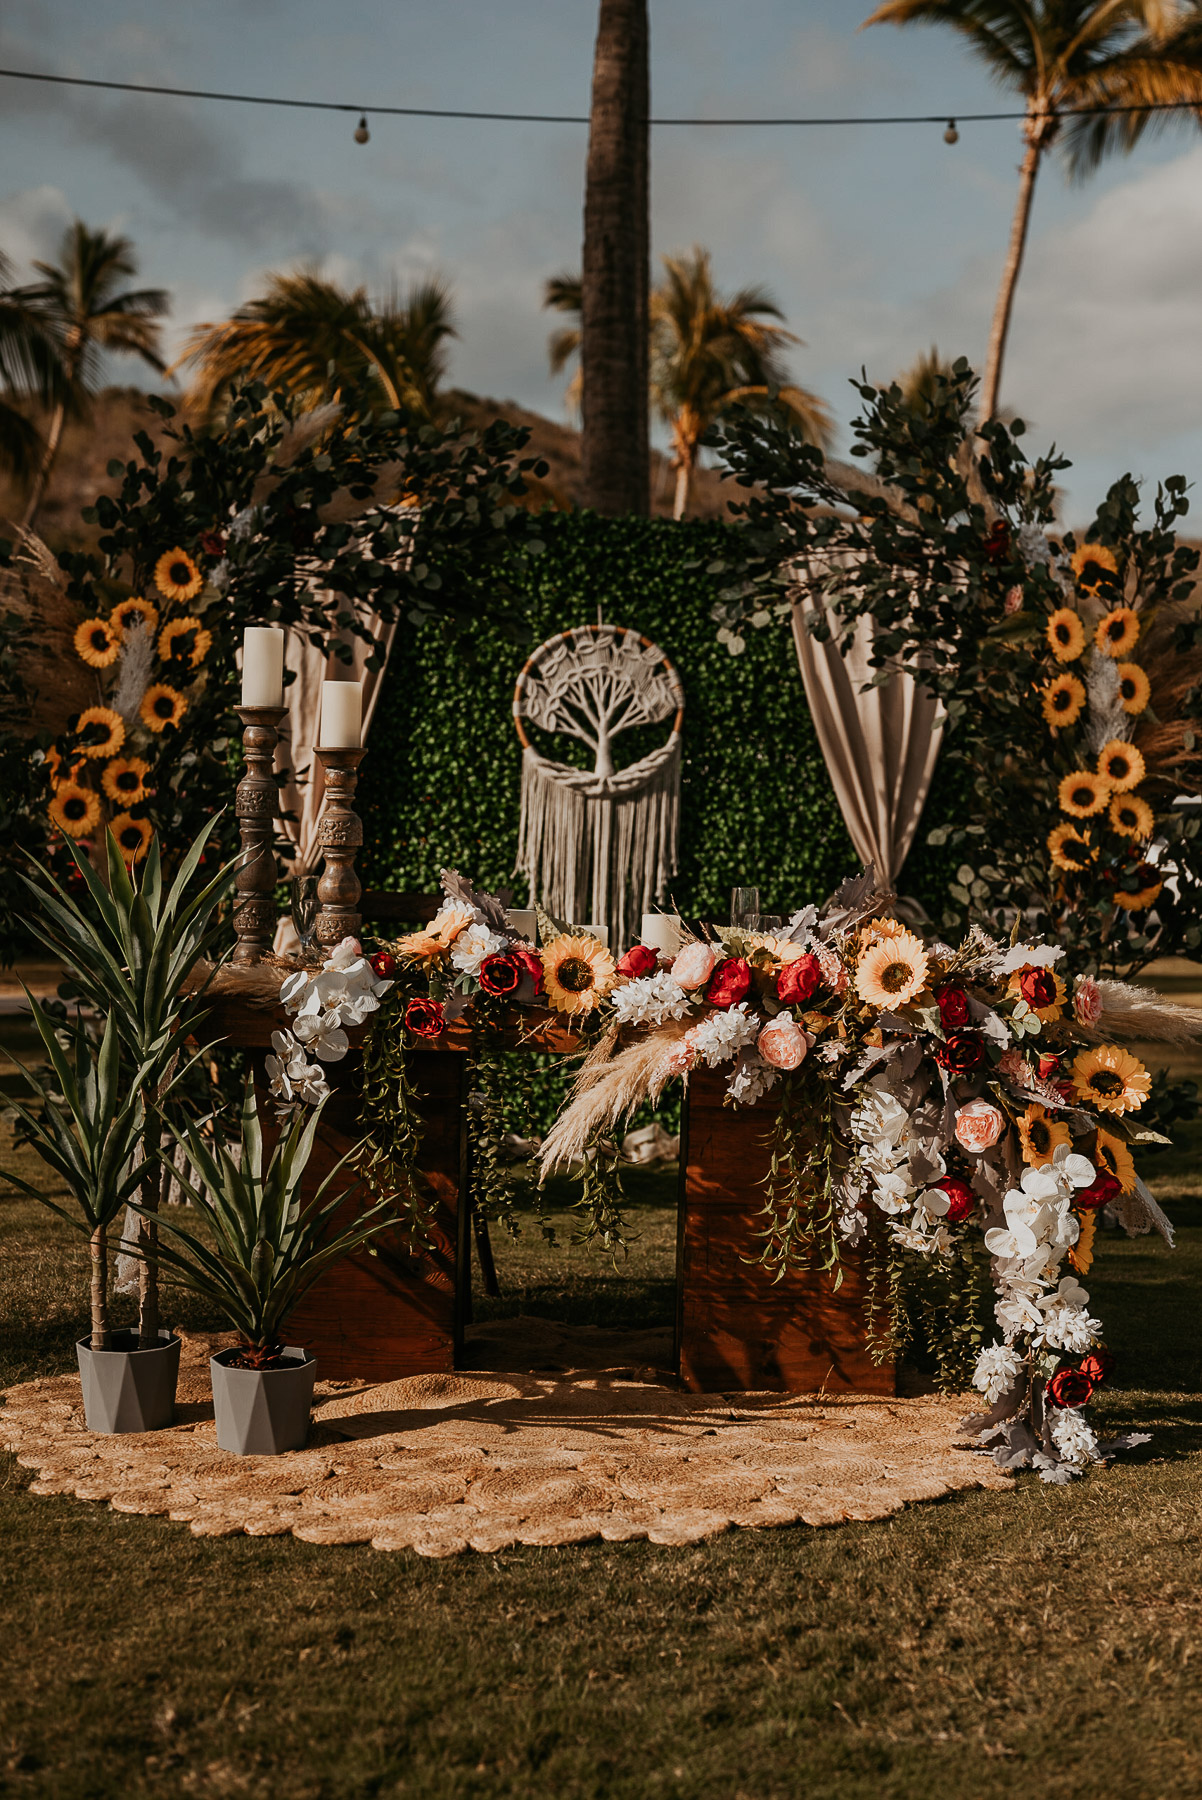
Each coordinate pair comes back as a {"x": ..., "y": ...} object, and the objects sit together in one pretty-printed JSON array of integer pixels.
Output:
[
  {"x": 1070, "y": 1387},
  {"x": 384, "y": 965},
  {"x": 1100, "y": 1192},
  {"x": 1096, "y": 1366},
  {"x": 213, "y": 543},
  {"x": 729, "y": 982},
  {"x": 962, "y": 1051},
  {"x": 961, "y": 1201},
  {"x": 797, "y": 980},
  {"x": 997, "y": 541},
  {"x": 1049, "y": 1067},
  {"x": 953, "y": 1008},
  {"x": 1037, "y": 987},
  {"x": 531, "y": 962},
  {"x": 425, "y": 1018},
  {"x": 639, "y": 960},
  {"x": 500, "y": 974}
]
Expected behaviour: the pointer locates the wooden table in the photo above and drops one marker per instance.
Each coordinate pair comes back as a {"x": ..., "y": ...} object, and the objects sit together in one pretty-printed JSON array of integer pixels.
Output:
[{"x": 395, "y": 1310}]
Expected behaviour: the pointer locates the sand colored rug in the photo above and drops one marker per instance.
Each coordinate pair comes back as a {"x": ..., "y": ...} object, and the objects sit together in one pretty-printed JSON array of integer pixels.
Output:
[{"x": 440, "y": 1464}]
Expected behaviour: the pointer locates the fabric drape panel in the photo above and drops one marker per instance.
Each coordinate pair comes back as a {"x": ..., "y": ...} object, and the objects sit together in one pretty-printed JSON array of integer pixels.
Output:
[{"x": 880, "y": 744}]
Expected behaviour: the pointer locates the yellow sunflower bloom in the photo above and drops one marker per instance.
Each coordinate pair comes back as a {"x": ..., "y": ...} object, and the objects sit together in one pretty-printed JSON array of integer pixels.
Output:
[
  {"x": 1080, "y": 1256},
  {"x": 1111, "y": 1079},
  {"x": 1040, "y": 1135},
  {"x": 1140, "y": 900},
  {"x": 97, "y": 643},
  {"x": 114, "y": 726},
  {"x": 1131, "y": 817},
  {"x": 132, "y": 835},
  {"x": 1069, "y": 849},
  {"x": 1121, "y": 765},
  {"x": 1117, "y": 632},
  {"x": 1066, "y": 634},
  {"x": 438, "y": 936},
  {"x": 130, "y": 612},
  {"x": 60, "y": 771},
  {"x": 876, "y": 929},
  {"x": 578, "y": 972},
  {"x": 1083, "y": 794},
  {"x": 162, "y": 706},
  {"x": 1043, "y": 991},
  {"x": 74, "y": 809},
  {"x": 1062, "y": 700},
  {"x": 892, "y": 971},
  {"x": 1135, "y": 690},
  {"x": 177, "y": 577},
  {"x": 173, "y": 641},
  {"x": 125, "y": 781},
  {"x": 1111, "y": 1155},
  {"x": 1091, "y": 563}
]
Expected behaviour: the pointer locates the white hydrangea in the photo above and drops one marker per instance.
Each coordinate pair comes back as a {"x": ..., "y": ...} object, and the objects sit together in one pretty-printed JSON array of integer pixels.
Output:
[
  {"x": 652, "y": 1000},
  {"x": 723, "y": 1034},
  {"x": 1072, "y": 1436},
  {"x": 751, "y": 1078},
  {"x": 472, "y": 946},
  {"x": 998, "y": 1366}
]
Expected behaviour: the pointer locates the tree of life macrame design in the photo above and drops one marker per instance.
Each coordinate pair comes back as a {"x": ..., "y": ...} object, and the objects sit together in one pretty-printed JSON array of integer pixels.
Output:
[{"x": 599, "y": 846}]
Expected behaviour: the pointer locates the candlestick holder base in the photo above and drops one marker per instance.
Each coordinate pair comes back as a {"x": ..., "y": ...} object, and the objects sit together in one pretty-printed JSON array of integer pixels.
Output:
[
  {"x": 341, "y": 834},
  {"x": 255, "y": 806}
]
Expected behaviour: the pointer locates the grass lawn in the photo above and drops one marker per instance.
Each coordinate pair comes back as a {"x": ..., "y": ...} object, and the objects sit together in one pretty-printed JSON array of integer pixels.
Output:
[{"x": 1039, "y": 1642}]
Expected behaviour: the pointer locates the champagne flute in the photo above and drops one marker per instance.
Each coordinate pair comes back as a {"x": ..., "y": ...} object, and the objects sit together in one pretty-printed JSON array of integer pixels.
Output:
[
  {"x": 304, "y": 912},
  {"x": 745, "y": 908}
]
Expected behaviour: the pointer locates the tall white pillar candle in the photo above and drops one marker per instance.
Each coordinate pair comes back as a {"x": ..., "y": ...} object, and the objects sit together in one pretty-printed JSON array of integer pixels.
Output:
[
  {"x": 662, "y": 932},
  {"x": 524, "y": 919},
  {"x": 341, "y": 715},
  {"x": 599, "y": 931},
  {"x": 262, "y": 666}
]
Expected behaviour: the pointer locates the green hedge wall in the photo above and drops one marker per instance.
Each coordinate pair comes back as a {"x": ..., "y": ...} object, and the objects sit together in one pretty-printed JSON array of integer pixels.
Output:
[{"x": 440, "y": 783}]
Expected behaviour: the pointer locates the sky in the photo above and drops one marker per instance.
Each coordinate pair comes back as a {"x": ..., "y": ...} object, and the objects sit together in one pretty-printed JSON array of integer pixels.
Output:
[{"x": 875, "y": 241}]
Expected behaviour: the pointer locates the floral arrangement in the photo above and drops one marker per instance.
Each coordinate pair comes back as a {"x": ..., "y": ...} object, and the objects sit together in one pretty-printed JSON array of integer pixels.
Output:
[{"x": 938, "y": 1107}]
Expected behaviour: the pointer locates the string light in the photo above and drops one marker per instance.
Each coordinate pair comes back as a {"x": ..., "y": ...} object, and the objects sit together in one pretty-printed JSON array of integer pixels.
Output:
[
  {"x": 951, "y": 135},
  {"x": 362, "y": 134}
]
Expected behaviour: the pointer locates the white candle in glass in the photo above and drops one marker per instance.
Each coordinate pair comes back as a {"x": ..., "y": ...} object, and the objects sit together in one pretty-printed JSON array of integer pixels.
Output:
[
  {"x": 524, "y": 920},
  {"x": 662, "y": 932},
  {"x": 341, "y": 715},
  {"x": 262, "y": 666}
]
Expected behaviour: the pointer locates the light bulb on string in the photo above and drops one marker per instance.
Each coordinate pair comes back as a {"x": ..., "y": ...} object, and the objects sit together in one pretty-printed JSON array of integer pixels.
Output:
[
  {"x": 951, "y": 135},
  {"x": 362, "y": 134}
]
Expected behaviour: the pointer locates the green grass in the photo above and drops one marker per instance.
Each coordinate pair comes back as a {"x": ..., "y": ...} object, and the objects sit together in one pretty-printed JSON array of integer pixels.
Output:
[{"x": 1040, "y": 1642}]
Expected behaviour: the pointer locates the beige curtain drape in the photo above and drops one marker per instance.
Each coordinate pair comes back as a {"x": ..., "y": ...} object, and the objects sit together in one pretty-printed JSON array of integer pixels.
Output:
[{"x": 880, "y": 743}]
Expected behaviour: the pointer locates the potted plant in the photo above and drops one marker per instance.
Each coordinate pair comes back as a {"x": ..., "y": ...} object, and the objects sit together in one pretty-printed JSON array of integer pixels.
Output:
[
  {"x": 267, "y": 1247},
  {"x": 90, "y": 1137}
]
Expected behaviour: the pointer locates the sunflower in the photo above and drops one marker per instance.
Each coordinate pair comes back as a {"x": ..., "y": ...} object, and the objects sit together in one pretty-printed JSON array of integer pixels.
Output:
[
  {"x": 1066, "y": 634},
  {"x": 1043, "y": 991},
  {"x": 170, "y": 635},
  {"x": 1121, "y": 765},
  {"x": 1041, "y": 1135},
  {"x": 97, "y": 643},
  {"x": 132, "y": 835},
  {"x": 438, "y": 936},
  {"x": 1131, "y": 817},
  {"x": 1069, "y": 849},
  {"x": 1083, "y": 794},
  {"x": 1112, "y": 1157},
  {"x": 1080, "y": 1257},
  {"x": 126, "y": 611},
  {"x": 177, "y": 577},
  {"x": 1063, "y": 700},
  {"x": 1117, "y": 632},
  {"x": 59, "y": 772},
  {"x": 892, "y": 971},
  {"x": 125, "y": 782},
  {"x": 1111, "y": 1079},
  {"x": 1135, "y": 690},
  {"x": 577, "y": 973},
  {"x": 1139, "y": 900},
  {"x": 162, "y": 706},
  {"x": 113, "y": 723},
  {"x": 877, "y": 929},
  {"x": 1103, "y": 563},
  {"x": 74, "y": 809}
]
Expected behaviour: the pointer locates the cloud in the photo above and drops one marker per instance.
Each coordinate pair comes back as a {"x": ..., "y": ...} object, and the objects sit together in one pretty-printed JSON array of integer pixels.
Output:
[{"x": 32, "y": 223}]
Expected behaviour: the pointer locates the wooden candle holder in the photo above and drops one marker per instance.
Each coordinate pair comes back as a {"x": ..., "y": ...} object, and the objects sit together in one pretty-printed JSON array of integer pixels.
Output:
[
  {"x": 255, "y": 806},
  {"x": 341, "y": 833}
]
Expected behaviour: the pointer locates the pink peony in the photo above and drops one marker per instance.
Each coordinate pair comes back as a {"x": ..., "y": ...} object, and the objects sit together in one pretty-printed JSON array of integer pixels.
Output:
[
  {"x": 783, "y": 1043},
  {"x": 833, "y": 971},
  {"x": 1013, "y": 1064},
  {"x": 1087, "y": 1001},
  {"x": 978, "y": 1126},
  {"x": 693, "y": 966}
]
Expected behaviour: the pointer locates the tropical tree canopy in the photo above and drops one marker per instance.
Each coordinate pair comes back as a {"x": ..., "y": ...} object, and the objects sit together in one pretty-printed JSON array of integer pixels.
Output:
[
  {"x": 319, "y": 341},
  {"x": 30, "y": 370}
]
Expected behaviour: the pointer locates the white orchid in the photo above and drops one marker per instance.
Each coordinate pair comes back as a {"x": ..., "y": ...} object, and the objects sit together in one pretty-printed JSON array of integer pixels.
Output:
[
  {"x": 1016, "y": 1312},
  {"x": 1012, "y": 1240},
  {"x": 892, "y": 1193},
  {"x": 1073, "y": 1167},
  {"x": 291, "y": 1077}
]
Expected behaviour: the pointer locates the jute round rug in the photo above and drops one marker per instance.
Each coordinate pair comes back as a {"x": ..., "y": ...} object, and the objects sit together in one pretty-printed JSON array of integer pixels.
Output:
[{"x": 440, "y": 1464}]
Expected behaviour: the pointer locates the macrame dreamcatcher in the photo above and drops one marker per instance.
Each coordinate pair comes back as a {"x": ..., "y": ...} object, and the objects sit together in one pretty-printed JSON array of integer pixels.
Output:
[{"x": 599, "y": 847}]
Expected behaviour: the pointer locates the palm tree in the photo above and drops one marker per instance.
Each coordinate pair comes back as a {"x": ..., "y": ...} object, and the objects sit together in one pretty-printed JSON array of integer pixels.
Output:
[
  {"x": 1063, "y": 55},
  {"x": 320, "y": 341},
  {"x": 615, "y": 452},
  {"x": 708, "y": 356},
  {"x": 29, "y": 370},
  {"x": 80, "y": 302}
]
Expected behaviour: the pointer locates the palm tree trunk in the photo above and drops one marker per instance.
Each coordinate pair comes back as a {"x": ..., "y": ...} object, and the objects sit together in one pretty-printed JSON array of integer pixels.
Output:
[
  {"x": 1039, "y": 130},
  {"x": 100, "y": 1290},
  {"x": 37, "y": 492},
  {"x": 684, "y": 481},
  {"x": 614, "y": 344}
]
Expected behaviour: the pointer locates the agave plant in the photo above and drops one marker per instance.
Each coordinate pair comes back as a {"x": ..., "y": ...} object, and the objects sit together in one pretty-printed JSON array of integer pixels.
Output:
[
  {"x": 128, "y": 956},
  {"x": 269, "y": 1244},
  {"x": 90, "y": 1136}
]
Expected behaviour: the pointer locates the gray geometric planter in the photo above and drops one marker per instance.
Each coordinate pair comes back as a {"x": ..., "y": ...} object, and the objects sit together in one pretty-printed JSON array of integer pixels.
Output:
[
  {"x": 263, "y": 1412},
  {"x": 127, "y": 1389}
]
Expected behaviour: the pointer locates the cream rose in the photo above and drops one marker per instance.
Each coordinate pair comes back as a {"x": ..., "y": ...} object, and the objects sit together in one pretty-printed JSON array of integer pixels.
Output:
[
  {"x": 978, "y": 1126},
  {"x": 693, "y": 966},
  {"x": 783, "y": 1043},
  {"x": 1087, "y": 1000}
]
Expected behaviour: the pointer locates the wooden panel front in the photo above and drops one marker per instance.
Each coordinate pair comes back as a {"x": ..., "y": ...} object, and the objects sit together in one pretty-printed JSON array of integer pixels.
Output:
[{"x": 736, "y": 1327}]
